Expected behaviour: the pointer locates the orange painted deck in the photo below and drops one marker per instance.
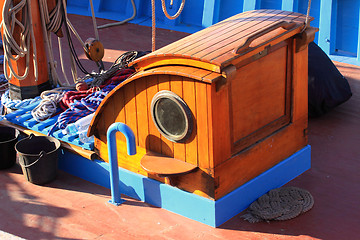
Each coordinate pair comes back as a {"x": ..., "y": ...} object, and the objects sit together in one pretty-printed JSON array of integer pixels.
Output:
[{"x": 71, "y": 208}]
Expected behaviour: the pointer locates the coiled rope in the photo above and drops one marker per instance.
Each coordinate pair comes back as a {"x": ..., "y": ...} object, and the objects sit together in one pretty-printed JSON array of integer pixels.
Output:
[
  {"x": 177, "y": 14},
  {"x": 280, "y": 204},
  {"x": 48, "y": 105},
  {"x": 13, "y": 50}
]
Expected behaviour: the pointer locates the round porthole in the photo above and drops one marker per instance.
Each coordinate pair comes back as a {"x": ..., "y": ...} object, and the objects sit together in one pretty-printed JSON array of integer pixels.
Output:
[{"x": 171, "y": 116}]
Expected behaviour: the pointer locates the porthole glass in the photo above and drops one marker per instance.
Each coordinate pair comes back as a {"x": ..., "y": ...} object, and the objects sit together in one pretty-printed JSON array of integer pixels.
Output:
[{"x": 171, "y": 116}]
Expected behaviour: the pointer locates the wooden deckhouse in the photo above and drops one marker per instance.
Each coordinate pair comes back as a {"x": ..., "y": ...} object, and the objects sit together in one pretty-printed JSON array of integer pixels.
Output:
[{"x": 216, "y": 109}]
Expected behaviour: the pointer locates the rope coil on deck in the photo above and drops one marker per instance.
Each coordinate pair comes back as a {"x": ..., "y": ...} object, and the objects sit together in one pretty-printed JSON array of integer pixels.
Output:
[
  {"x": 48, "y": 105},
  {"x": 280, "y": 204}
]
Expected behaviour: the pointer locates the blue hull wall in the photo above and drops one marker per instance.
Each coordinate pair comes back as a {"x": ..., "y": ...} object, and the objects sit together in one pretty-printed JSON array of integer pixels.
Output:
[{"x": 338, "y": 20}]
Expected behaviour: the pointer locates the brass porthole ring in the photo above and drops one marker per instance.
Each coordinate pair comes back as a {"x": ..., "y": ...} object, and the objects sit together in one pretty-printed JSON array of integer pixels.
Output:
[{"x": 171, "y": 116}]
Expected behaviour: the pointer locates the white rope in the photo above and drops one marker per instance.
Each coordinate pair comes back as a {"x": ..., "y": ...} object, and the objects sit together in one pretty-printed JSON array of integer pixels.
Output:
[
  {"x": 62, "y": 60},
  {"x": 71, "y": 27},
  {"x": 51, "y": 23},
  {"x": 27, "y": 37},
  {"x": 307, "y": 16},
  {"x": 48, "y": 105},
  {"x": 122, "y": 22},
  {"x": 177, "y": 14}
]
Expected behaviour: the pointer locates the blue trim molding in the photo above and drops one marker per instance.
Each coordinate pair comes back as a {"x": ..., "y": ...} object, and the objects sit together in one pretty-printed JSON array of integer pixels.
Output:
[{"x": 213, "y": 213}]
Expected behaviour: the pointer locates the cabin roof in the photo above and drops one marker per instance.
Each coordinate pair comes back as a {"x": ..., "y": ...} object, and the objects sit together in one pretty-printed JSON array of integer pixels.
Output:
[{"x": 216, "y": 46}]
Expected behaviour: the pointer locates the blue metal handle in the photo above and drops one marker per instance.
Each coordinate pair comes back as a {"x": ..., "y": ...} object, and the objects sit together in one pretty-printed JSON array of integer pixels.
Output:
[{"x": 131, "y": 150}]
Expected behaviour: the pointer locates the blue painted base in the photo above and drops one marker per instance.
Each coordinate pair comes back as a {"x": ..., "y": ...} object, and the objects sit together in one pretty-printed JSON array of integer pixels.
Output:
[{"x": 213, "y": 213}]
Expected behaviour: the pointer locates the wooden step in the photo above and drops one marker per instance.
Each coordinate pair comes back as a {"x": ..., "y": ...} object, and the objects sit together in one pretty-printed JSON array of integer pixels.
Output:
[{"x": 165, "y": 166}]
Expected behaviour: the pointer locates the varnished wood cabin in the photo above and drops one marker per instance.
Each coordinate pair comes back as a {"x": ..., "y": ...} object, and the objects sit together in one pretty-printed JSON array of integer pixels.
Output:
[{"x": 217, "y": 108}]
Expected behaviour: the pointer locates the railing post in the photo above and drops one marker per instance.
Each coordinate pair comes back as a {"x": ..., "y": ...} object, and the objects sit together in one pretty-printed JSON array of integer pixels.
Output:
[
  {"x": 112, "y": 152},
  {"x": 324, "y": 40},
  {"x": 249, "y": 5},
  {"x": 287, "y": 5},
  {"x": 210, "y": 13}
]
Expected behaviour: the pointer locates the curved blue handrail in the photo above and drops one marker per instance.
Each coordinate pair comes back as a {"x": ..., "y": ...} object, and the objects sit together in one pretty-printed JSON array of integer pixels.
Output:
[{"x": 131, "y": 150}]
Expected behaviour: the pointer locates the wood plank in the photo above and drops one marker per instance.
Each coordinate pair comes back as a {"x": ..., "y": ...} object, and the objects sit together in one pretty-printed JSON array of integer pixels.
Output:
[
  {"x": 119, "y": 109},
  {"x": 101, "y": 129},
  {"x": 154, "y": 139},
  {"x": 255, "y": 160},
  {"x": 165, "y": 166},
  {"x": 218, "y": 48},
  {"x": 300, "y": 85},
  {"x": 222, "y": 34},
  {"x": 226, "y": 57},
  {"x": 176, "y": 86},
  {"x": 209, "y": 92},
  {"x": 220, "y": 114},
  {"x": 190, "y": 99},
  {"x": 170, "y": 59},
  {"x": 131, "y": 109},
  {"x": 109, "y": 114},
  {"x": 202, "y": 126},
  {"x": 184, "y": 71},
  {"x": 142, "y": 112},
  {"x": 167, "y": 146},
  {"x": 203, "y": 34},
  {"x": 258, "y": 94}
]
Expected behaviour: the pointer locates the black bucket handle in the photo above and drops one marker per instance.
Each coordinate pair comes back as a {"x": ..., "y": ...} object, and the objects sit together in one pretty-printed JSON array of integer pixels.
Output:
[
  {"x": 42, "y": 153},
  {"x": 30, "y": 136}
]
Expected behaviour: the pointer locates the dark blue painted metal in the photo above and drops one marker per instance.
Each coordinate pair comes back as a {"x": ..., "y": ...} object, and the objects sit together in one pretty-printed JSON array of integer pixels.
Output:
[{"x": 112, "y": 152}]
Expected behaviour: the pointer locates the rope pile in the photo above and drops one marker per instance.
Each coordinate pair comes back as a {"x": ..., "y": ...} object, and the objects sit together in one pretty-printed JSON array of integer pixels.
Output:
[
  {"x": 87, "y": 105},
  {"x": 280, "y": 204},
  {"x": 48, "y": 105},
  {"x": 120, "y": 62}
]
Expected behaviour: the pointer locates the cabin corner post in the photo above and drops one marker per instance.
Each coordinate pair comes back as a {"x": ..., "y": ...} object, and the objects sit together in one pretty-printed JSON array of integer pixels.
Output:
[
  {"x": 300, "y": 84},
  {"x": 131, "y": 149}
]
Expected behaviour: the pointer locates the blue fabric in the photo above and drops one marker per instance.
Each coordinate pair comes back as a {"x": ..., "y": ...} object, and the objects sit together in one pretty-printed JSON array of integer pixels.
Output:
[{"x": 89, "y": 104}]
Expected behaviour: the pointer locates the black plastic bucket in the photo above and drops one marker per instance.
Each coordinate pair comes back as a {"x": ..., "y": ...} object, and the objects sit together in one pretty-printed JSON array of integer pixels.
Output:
[
  {"x": 8, "y": 138},
  {"x": 38, "y": 158}
]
